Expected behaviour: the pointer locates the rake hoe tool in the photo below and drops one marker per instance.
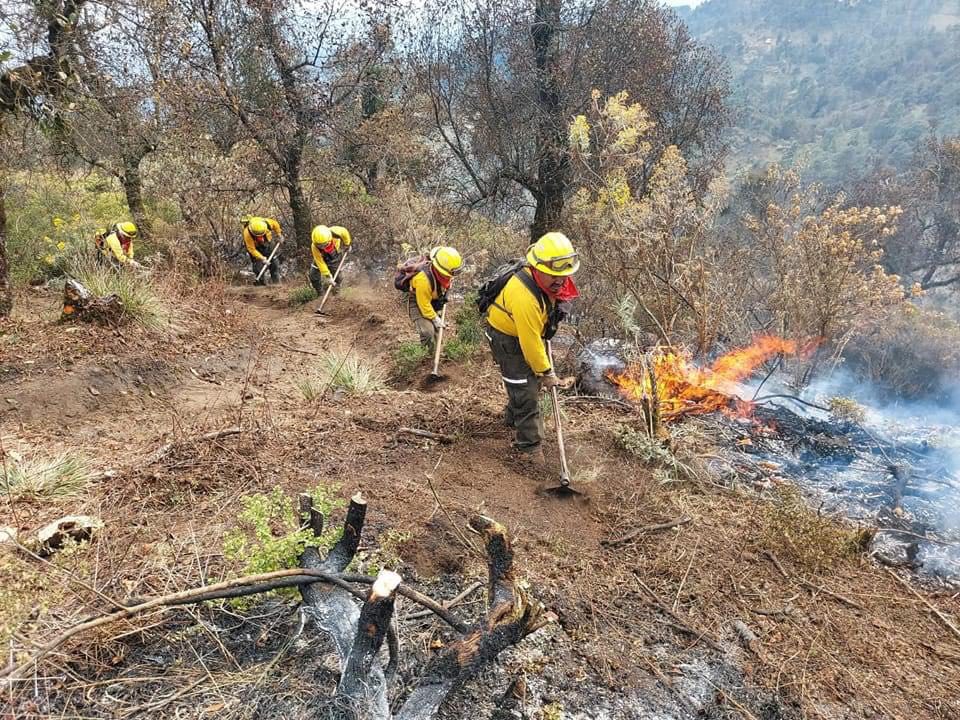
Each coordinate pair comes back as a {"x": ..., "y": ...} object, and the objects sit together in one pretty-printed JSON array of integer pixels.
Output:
[
  {"x": 323, "y": 302},
  {"x": 269, "y": 260},
  {"x": 564, "y": 488},
  {"x": 435, "y": 375}
]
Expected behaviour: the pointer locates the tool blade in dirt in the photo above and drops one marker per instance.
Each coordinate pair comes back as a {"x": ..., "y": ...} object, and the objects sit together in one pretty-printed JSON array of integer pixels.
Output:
[
  {"x": 564, "y": 489},
  {"x": 435, "y": 376},
  {"x": 323, "y": 302}
]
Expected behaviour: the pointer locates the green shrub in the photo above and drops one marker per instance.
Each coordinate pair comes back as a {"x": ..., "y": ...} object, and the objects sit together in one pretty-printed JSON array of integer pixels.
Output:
[
  {"x": 301, "y": 295},
  {"x": 468, "y": 340},
  {"x": 649, "y": 450},
  {"x": 268, "y": 535},
  {"x": 353, "y": 374},
  {"x": 141, "y": 300},
  {"x": 407, "y": 357},
  {"x": 41, "y": 478},
  {"x": 50, "y": 219}
]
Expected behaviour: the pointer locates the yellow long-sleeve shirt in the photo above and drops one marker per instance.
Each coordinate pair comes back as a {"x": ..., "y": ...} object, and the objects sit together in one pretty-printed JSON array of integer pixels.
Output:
[
  {"x": 113, "y": 246},
  {"x": 423, "y": 291},
  {"x": 518, "y": 312},
  {"x": 320, "y": 261},
  {"x": 251, "y": 245}
]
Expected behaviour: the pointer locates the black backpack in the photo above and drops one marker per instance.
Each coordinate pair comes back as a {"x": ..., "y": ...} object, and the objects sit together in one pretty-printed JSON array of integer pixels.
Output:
[
  {"x": 487, "y": 293},
  {"x": 492, "y": 287}
]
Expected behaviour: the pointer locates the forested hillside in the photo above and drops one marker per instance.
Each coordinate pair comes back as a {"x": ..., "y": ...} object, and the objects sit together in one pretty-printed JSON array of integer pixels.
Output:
[{"x": 836, "y": 84}]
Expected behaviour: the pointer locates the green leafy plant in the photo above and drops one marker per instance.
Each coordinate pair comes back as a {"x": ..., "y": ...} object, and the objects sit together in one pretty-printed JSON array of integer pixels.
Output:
[
  {"x": 468, "y": 340},
  {"x": 268, "y": 535},
  {"x": 301, "y": 295},
  {"x": 354, "y": 374},
  {"x": 407, "y": 357},
  {"x": 385, "y": 556}
]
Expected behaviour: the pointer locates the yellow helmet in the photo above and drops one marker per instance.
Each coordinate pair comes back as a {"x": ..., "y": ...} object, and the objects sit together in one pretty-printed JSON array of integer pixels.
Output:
[
  {"x": 257, "y": 226},
  {"x": 128, "y": 229},
  {"x": 321, "y": 235},
  {"x": 342, "y": 233},
  {"x": 446, "y": 260},
  {"x": 553, "y": 254}
]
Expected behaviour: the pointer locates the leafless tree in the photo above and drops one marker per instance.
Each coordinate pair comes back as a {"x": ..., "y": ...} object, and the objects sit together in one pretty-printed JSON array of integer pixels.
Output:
[{"x": 505, "y": 77}]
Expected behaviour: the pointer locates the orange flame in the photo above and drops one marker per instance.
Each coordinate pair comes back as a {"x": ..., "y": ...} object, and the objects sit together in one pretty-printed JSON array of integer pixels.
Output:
[{"x": 685, "y": 389}]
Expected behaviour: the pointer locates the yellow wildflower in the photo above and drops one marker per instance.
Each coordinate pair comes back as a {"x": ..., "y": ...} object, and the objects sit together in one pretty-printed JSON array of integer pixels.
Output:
[
  {"x": 58, "y": 222},
  {"x": 48, "y": 259},
  {"x": 61, "y": 246}
]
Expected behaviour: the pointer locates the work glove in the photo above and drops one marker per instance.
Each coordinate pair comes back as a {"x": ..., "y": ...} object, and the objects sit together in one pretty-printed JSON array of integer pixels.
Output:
[
  {"x": 134, "y": 264},
  {"x": 438, "y": 323},
  {"x": 329, "y": 281},
  {"x": 550, "y": 380}
]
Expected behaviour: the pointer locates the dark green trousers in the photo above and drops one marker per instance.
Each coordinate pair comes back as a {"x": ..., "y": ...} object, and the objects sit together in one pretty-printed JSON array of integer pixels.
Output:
[{"x": 523, "y": 398}]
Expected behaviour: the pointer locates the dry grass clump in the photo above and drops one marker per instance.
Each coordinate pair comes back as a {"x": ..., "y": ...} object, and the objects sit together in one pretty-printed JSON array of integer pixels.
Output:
[
  {"x": 143, "y": 303},
  {"x": 41, "y": 477},
  {"x": 352, "y": 373},
  {"x": 794, "y": 530}
]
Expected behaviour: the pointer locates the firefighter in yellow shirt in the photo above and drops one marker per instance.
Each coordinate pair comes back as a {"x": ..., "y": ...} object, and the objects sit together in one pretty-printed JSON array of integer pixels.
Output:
[
  {"x": 428, "y": 291},
  {"x": 116, "y": 245},
  {"x": 522, "y": 317},
  {"x": 258, "y": 237},
  {"x": 327, "y": 245}
]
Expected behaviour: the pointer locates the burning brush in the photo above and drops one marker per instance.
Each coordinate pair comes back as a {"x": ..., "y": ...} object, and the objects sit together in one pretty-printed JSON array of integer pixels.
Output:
[{"x": 668, "y": 385}]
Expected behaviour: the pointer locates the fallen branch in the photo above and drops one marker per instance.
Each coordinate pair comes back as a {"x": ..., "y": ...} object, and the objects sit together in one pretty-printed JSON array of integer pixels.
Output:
[
  {"x": 238, "y": 587},
  {"x": 299, "y": 350},
  {"x": 599, "y": 399},
  {"x": 446, "y": 605},
  {"x": 699, "y": 634},
  {"x": 445, "y": 439},
  {"x": 167, "y": 448},
  {"x": 943, "y": 618},
  {"x": 794, "y": 398},
  {"x": 646, "y": 529},
  {"x": 837, "y": 596}
]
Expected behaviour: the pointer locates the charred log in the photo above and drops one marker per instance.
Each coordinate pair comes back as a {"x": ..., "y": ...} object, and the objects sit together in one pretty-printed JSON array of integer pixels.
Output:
[
  {"x": 81, "y": 304},
  {"x": 512, "y": 615}
]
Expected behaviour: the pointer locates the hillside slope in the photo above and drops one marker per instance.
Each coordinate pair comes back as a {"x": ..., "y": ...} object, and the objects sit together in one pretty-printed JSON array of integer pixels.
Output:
[
  {"x": 646, "y": 620},
  {"x": 836, "y": 84}
]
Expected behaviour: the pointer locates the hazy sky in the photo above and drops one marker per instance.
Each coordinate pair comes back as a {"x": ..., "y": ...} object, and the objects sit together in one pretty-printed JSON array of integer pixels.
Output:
[{"x": 683, "y": 2}]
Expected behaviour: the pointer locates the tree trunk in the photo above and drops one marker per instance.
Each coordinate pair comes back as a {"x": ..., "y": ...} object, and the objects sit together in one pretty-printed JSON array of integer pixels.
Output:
[
  {"x": 554, "y": 159},
  {"x": 133, "y": 189},
  {"x": 6, "y": 291},
  {"x": 299, "y": 205}
]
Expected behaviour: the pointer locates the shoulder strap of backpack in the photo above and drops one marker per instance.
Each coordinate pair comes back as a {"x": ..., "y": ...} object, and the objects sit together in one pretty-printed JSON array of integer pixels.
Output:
[{"x": 530, "y": 284}]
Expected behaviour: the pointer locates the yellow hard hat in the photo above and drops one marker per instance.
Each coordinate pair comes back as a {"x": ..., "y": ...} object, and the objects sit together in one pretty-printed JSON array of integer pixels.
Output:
[
  {"x": 341, "y": 232},
  {"x": 128, "y": 229},
  {"x": 446, "y": 260},
  {"x": 553, "y": 254},
  {"x": 321, "y": 235},
  {"x": 257, "y": 226}
]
